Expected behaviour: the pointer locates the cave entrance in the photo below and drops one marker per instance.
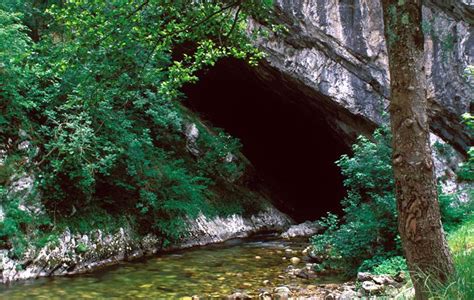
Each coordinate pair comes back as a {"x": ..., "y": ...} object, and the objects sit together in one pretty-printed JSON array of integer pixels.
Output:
[{"x": 291, "y": 146}]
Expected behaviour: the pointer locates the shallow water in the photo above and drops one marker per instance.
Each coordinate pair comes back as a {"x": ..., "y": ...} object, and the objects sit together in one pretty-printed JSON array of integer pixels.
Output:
[{"x": 211, "y": 271}]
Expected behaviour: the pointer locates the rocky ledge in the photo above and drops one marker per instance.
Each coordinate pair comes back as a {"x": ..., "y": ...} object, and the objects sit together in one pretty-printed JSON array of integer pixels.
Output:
[{"x": 75, "y": 253}]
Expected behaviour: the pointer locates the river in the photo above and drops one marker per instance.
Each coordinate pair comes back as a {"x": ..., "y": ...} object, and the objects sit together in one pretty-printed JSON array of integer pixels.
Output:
[{"x": 210, "y": 271}]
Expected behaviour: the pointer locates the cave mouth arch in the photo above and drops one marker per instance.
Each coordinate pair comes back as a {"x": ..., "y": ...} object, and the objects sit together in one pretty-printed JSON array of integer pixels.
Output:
[{"x": 291, "y": 146}]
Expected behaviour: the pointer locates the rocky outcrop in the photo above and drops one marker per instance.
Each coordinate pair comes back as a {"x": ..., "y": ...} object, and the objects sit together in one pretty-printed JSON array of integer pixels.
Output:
[
  {"x": 333, "y": 58},
  {"x": 304, "y": 229},
  {"x": 204, "y": 231},
  {"x": 76, "y": 253}
]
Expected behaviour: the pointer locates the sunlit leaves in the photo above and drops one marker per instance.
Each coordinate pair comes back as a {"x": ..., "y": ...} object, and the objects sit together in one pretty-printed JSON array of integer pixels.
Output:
[{"x": 97, "y": 90}]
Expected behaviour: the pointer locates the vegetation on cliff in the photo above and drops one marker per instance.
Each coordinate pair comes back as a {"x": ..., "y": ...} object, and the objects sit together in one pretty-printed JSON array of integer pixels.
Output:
[{"x": 90, "y": 112}]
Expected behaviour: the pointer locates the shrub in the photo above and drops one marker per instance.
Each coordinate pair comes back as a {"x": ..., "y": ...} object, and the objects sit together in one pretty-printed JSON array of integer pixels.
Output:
[
  {"x": 366, "y": 238},
  {"x": 391, "y": 266},
  {"x": 369, "y": 227}
]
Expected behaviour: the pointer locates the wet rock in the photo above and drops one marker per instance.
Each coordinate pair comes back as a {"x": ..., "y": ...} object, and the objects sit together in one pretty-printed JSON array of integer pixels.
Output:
[
  {"x": 281, "y": 293},
  {"x": 295, "y": 260},
  {"x": 306, "y": 250},
  {"x": 239, "y": 296},
  {"x": 383, "y": 279},
  {"x": 331, "y": 296},
  {"x": 348, "y": 295},
  {"x": 282, "y": 289},
  {"x": 306, "y": 274},
  {"x": 265, "y": 296},
  {"x": 370, "y": 287},
  {"x": 364, "y": 276}
]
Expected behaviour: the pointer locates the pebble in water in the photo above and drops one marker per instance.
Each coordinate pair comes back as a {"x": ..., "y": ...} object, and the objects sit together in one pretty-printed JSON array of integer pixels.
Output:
[{"x": 295, "y": 260}]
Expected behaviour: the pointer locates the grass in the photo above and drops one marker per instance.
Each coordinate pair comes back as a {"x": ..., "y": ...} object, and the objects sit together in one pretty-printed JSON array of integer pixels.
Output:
[{"x": 461, "y": 286}]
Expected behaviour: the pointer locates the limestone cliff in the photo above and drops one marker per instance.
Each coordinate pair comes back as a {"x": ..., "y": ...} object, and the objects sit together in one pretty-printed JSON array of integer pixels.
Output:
[{"x": 334, "y": 57}]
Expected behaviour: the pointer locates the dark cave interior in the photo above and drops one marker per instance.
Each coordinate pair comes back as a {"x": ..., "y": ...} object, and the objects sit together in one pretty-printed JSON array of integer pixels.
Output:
[{"x": 291, "y": 146}]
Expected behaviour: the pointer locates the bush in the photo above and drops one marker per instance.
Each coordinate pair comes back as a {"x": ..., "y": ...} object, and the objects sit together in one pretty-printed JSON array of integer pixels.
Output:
[
  {"x": 366, "y": 239},
  {"x": 392, "y": 265},
  {"x": 369, "y": 227}
]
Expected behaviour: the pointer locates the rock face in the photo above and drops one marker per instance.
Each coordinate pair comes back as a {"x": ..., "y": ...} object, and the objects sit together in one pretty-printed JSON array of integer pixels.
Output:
[
  {"x": 304, "y": 229},
  {"x": 80, "y": 253},
  {"x": 334, "y": 58},
  {"x": 205, "y": 231}
]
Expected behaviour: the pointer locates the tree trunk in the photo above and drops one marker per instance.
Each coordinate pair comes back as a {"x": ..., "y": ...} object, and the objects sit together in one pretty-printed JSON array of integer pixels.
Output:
[{"x": 419, "y": 221}]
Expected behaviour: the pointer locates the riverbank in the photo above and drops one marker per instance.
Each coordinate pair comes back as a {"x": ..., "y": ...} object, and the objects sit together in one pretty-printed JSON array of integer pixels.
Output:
[
  {"x": 75, "y": 253},
  {"x": 262, "y": 266}
]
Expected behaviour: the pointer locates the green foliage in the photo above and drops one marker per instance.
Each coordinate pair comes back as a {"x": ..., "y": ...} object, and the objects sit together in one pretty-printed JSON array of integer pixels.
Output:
[
  {"x": 367, "y": 237},
  {"x": 81, "y": 248},
  {"x": 19, "y": 226},
  {"x": 461, "y": 284},
  {"x": 392, "y": 265},
  {"x": 466, "y": 170},
  {"x": 96, "y": 87},
  {"x": 455, "y": 210},
  {"x": 370, "y": 227},
  {"x": 445, "y": 38},
  {"x": 91, "y": 218}
]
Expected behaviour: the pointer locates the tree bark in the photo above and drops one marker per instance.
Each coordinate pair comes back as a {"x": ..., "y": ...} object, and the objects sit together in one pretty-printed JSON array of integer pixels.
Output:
[{"x": 419, "y": 223}]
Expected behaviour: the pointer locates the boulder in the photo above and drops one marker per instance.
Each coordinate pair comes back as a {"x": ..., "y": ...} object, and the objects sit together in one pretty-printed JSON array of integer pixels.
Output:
[{"x": 370, "y": 287}]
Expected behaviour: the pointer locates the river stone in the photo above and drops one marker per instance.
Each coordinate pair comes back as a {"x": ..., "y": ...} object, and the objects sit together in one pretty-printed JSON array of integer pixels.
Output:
[
  {"x": 295, "y": 260},
  {"x": 306, "y": 274},
  {"x": 364, "y": 276},
  {"x": 281, "y": 289},
  {"x": 383, "y": 279},
  {"x": 265, "y": 296},
  {"x": 239, "y": 296},
  {"x": 281, "y": 296},
  {"x": 371, "y": 287},
  {"x": 348, "y": 295}
]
